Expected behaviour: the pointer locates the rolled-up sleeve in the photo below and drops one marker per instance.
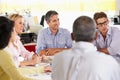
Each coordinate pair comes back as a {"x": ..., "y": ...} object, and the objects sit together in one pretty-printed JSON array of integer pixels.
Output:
[
  {"x": 68, "y": 39},
  {"x": 23, "y": 52},
  {"x": 40, "y": 41}
]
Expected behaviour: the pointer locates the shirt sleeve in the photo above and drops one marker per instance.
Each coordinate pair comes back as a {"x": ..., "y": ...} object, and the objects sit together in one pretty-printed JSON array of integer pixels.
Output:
[
  {"x": 68, "y": 39},
  {"x": 23, "y": 52},
  {"x": 40, "y": 41},
  {"x": 8, "y": 66},
  {"x": 114, "y": 47},
  {"x": 55, "y": 67},
  {"x": 31, "y": 70}
]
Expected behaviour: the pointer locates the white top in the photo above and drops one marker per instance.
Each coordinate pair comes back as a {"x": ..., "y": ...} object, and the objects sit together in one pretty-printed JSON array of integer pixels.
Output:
[{"x": 84, "y": 62}]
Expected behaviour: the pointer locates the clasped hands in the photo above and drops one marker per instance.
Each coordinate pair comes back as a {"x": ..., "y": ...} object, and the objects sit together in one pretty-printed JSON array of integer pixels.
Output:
[{"x": 50, "y": 51}]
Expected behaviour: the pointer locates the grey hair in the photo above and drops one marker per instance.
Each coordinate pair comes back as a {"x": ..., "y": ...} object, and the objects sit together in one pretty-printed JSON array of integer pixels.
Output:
[
  {"x": 84, "y": 29},
  {"x": 49, "y": 14}
]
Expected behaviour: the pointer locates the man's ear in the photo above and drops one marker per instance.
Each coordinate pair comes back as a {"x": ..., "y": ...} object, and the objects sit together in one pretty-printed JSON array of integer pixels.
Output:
[
  {"x": 47, "y": 22},
  {"x": 96, "y": 26},
  {"x": 72, "y": 36}
]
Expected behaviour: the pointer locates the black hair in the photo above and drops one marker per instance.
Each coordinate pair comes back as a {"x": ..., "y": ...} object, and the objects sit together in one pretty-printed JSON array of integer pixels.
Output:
[
  {"x": 42, "y": 20},
  {"x": 6, "y": 28}
]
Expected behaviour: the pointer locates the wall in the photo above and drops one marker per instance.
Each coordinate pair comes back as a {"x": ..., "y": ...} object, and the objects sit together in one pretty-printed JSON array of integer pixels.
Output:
[{"x": 117, "y": 7}]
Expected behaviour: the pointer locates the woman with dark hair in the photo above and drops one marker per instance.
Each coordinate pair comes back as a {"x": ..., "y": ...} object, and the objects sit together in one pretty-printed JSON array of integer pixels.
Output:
[{"x": 8, "y": 70}]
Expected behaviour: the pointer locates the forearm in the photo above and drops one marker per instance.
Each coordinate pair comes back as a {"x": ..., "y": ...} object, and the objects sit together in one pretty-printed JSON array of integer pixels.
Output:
[
  {"x": 26, "y": 63},
  {"x": 31, "y": 70},
  {"x": 34, "y": 61},
  {"x": 104, "y": 50},
  {"x": 16, "y": 75},
  {"x": 51, "y": 51}
]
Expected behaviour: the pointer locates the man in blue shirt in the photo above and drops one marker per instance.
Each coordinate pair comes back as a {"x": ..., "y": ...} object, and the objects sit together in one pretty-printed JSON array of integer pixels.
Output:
[
  {"x": 108, "y": 37},
  {"x": 53, "y": 39}
]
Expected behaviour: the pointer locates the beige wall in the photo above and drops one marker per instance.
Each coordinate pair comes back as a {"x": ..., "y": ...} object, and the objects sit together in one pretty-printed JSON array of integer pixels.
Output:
[{"x": 118, "y": 7}]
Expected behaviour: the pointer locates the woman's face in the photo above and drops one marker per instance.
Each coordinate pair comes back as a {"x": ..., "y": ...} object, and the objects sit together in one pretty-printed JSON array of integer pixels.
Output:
[{"x": 19, "y": 25}]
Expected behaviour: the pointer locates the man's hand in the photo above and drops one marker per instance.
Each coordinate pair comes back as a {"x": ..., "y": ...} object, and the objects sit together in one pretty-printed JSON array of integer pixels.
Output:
[
  {"x": 51, "y": 51},
  {"x": 104, "y": 50}
]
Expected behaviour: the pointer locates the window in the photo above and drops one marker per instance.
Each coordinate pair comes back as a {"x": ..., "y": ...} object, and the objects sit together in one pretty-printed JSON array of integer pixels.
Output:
[{"x": 74, "y": 8}]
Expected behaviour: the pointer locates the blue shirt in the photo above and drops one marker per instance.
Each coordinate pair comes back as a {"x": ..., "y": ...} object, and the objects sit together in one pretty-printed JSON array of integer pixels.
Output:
[
  {"x": 111, "y": 42},
  {"x": 46, "y": 39}
]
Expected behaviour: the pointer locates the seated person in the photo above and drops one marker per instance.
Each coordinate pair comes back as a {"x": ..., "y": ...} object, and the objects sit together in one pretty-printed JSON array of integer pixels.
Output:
[
  {"x": 107, "y": 40},
  {"x": 17, "y": 48},
  {"x": 53, "y": 39},
  {"x": 8, "y": 70},
  {"x": 83, "y": 61}
]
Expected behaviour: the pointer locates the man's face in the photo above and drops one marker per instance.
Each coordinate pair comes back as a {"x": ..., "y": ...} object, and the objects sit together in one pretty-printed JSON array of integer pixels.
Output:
[
  {"x": 102, "y": 25},
  {"x": 54, "y": 22}
]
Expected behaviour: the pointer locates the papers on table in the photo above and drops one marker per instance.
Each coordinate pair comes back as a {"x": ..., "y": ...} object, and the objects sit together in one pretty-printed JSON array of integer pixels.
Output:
[
  {"x": 43, "y": 76},
  {"x": 42, "y": 64}
]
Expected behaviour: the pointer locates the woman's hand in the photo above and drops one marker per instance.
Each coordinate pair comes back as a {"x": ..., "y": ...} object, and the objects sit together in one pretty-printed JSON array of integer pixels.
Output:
[
  {"x": 36, "y": 60},
  {"x": 47, "y": 69}
]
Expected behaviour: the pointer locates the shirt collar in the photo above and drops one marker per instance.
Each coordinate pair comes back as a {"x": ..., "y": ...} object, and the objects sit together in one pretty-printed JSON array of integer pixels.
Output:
[
  {"x": 108, "y": 33},
  {"x": 49, "y": 31},
  {"x": 17, "y": 37},
  {"x": 84, "y": 46}
]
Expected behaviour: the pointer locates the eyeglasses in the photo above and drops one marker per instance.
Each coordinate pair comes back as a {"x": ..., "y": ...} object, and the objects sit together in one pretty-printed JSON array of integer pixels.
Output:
[{"x": 103, "y": 23}]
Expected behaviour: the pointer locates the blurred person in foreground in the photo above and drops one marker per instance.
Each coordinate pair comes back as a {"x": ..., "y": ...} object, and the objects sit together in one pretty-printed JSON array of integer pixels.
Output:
[
  {"x": 83, "y": 61},
  {"x": 107, "y": 40},
  {"x": 53, "y": 39},
  {"x": 8, "y": 70}
]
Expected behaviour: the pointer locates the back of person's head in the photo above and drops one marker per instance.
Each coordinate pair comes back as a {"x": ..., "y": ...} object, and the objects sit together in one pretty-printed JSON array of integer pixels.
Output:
[
  {"x": 49, "y": 14},
  {"x": 98, "y": 15},
  {"x": 6, "y": 28},
  {"x": 84, "y": 29},
  {"x": 14, "y": 17}
]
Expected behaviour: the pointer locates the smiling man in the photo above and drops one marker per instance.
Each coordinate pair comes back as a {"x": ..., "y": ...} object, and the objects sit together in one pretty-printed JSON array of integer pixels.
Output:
[
  {"x": 53, "y": 39},
  {"x": 108, "y": 40}
]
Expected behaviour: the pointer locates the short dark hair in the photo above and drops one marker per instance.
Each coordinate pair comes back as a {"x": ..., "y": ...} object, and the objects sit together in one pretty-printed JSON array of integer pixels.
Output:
[
  {"x": 98, "y": 15},
  {"x": 84, "y": 29},
  {"x": 6, "y": 28},
  {"x": 49, "y": 14}
]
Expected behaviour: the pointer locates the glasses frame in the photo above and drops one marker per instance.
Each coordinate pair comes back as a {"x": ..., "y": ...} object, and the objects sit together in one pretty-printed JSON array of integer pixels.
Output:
[{"x": 103, "y": 23}]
